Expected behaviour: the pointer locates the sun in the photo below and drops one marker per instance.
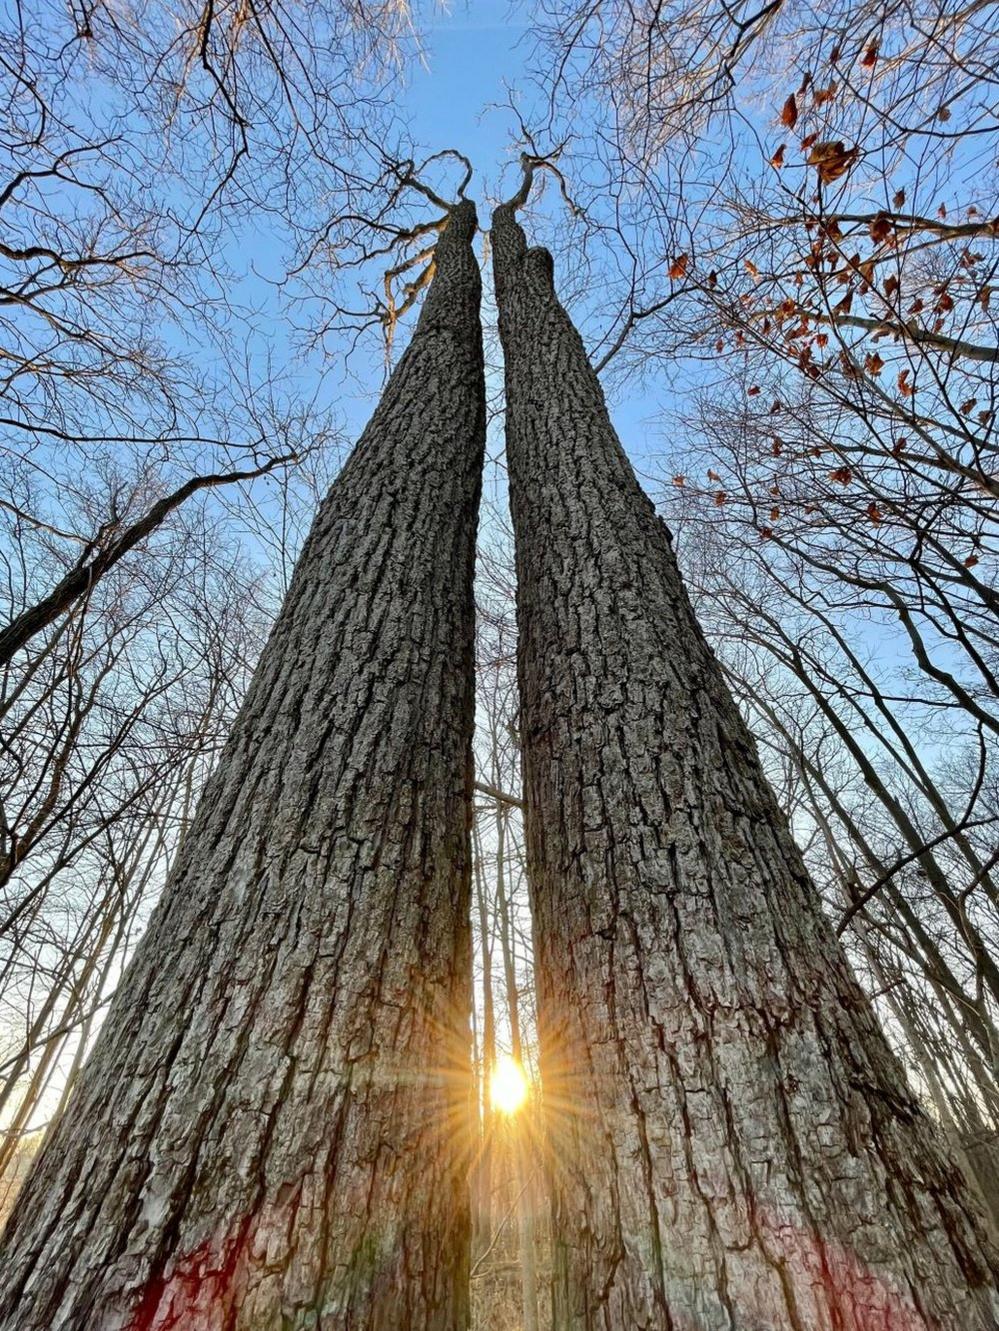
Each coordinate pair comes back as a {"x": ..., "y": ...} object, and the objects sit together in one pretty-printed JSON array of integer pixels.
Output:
[{"x": 508, "y": 1086}]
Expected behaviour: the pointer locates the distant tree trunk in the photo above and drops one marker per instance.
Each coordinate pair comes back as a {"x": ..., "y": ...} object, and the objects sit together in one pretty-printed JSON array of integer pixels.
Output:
[
  {"x": 525, "y": 1237},
  {"x": 273, "y": 1128},
  {"x": 520, "y": 1136},
  {"x": 732, "y": 1145},
  {"x": 484, "y": 1172}
]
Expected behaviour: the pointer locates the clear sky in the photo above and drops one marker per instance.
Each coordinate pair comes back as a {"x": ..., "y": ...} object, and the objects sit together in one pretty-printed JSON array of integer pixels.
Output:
[{"x": 471, "y": 53}]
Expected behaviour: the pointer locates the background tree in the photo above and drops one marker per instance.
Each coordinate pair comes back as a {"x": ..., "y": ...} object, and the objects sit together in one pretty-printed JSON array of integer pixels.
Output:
[{"x": 510, "y": 1256}]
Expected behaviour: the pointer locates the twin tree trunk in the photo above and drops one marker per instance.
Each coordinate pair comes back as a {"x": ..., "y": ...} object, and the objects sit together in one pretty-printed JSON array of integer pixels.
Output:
[
  {"x": 732, "y": 1145},
  {"x": 273, "y": 1129}
]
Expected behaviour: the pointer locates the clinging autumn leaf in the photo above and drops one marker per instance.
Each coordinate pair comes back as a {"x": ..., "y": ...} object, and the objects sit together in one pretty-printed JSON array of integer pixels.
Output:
[{"x": 832, "y": 159}]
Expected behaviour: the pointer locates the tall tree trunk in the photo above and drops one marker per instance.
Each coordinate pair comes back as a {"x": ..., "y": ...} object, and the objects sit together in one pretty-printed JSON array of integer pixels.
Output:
[
  {"x": 732, "y": 1145},
  {"x": 272, "y": 1130}
]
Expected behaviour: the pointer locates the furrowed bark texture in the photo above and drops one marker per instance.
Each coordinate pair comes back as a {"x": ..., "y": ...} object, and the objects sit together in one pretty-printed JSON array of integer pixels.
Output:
[
  {"x": 272, "y": 1130},
  {"x": 732, "y": 1144}
]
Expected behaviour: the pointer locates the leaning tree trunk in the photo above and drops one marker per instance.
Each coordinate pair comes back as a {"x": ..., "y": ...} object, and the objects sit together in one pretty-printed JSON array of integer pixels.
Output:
[
  {"x": 271, "y": 1132},
  {"x": 732, "y": 1145}
]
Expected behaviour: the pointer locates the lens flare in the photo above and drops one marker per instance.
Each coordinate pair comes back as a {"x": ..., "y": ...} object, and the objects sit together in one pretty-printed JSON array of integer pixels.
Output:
[{"x": 508, "y": 1087}]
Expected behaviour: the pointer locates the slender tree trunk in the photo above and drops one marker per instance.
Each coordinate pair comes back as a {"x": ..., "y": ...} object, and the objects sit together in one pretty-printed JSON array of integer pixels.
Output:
[
  {"x": 899, "y": 1001},
  {"x": 732, "y": 1145},
  {"x": 525, "y": 1237},
  {"x": 484, "y": 1171},
  {"x": 520, "y": 1136},
  {"x": 273, "y": 1128}
]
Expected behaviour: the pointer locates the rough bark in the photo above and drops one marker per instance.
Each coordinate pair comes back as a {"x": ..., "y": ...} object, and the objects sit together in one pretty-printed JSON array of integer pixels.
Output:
[
  {"x": 272, "y": 1130},
  {"x": 732, "y": 1145}
]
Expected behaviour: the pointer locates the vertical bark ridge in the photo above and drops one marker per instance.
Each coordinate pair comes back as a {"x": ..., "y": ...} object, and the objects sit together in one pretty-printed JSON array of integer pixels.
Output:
[
  {"x": 272, "y": 1130},
  {"x": 732, "y": 1145}
]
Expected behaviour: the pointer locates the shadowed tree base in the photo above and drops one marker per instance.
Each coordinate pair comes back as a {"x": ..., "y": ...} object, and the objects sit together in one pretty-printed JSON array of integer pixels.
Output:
[
  {"x": 732, "y": 1145},
  {"x": 271, "y": 1132}
]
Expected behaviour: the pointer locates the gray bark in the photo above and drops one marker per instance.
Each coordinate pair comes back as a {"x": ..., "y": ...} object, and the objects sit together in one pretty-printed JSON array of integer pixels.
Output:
[
  {"x": 731, "y": 1143},
  {"x": 272, "y": 1130}
]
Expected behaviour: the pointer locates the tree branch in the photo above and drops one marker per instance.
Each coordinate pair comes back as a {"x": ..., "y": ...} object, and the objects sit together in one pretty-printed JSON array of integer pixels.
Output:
[{"x": 85, "y": 575}]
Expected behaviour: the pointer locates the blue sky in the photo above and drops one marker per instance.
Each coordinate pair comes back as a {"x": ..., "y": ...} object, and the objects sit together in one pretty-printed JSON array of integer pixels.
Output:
[{"x": 469, "y": 56}]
